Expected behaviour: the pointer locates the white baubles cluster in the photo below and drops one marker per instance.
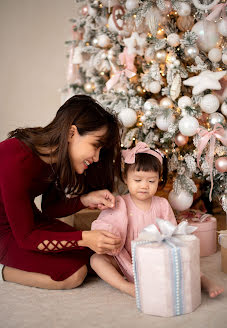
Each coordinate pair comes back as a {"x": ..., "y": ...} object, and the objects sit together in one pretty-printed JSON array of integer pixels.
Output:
[
  {"x": 153, "y": 87},
  {"x": 209, "y": 103},
  {"x": 128, "y": 117},
  {"x": 163, "y": 121},
  {"x": 224, "y": 108},
  {"x": 131, "y": 4},
  {"x": 181, "y": 201},
  {"x": 173, "y": 39},
  {"x": 222, "y": 26},
  {"x": 188, "y": 125},
  {"x": 103, "y": 41},
  {"x": 166, "y": 103},
  {"x": 184, "y": 101},
  {"x": 208, "y": 35},
  {"x": 215, "y": 55},
  {"x": 183, "y": 8}
]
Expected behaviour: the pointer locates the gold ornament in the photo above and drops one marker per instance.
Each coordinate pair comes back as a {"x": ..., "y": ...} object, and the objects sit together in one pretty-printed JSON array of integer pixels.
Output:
[{"x": 185, "y": 23}]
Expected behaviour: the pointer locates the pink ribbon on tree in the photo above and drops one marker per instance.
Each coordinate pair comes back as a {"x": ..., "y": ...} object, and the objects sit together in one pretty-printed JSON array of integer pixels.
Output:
[
  {"x": 205, "y": 137},
  {"x": 128, "y": 61},
  {"x": 217, "y": 12},
  {"x": 129, "y": 155}
]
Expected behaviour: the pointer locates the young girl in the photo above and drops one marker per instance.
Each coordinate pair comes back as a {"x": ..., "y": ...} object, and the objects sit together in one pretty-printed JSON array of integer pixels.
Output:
[
  {"x": 75, "y": 152},
  {"x": 134, "y": 211}
]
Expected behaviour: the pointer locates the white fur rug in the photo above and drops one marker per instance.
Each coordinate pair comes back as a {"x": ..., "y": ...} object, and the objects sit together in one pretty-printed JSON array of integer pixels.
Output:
[{"x": 96, "y": 304}]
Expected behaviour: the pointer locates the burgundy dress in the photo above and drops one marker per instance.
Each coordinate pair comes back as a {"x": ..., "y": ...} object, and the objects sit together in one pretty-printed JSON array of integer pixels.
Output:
[{"x": 24, "y": 176}]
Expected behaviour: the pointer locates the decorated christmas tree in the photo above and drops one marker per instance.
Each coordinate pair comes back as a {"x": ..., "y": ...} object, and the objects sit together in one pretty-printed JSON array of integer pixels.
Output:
[{"x": 160, "y": 65}]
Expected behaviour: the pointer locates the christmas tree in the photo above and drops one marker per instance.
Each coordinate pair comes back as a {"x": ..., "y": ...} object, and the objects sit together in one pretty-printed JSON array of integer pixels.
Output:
[{"x": 160, "y": 65}]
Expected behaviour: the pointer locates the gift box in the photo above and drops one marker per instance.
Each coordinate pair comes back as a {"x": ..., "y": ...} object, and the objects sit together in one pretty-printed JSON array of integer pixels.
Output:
[
  {"x": 206, "y": 229},
  {"x": 222, "y": 239},
  {"x": 167, "y": 274}
]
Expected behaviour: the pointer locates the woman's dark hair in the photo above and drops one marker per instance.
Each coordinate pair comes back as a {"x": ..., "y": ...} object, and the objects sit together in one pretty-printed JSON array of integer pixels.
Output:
[
  {"x": 84, "y": 112},
  {"x": 146, "y": 162}
]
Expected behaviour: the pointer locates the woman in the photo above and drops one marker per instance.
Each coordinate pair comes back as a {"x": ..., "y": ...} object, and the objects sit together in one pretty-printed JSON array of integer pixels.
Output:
[{"x": 72, "y": 163}]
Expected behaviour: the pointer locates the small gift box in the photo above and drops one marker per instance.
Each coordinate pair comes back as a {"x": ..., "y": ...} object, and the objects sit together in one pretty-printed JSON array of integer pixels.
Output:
[
  {"x": 166, "y": 268},
  {"x": 206, "y": 232},
  {"x": 222, "y": 239}
]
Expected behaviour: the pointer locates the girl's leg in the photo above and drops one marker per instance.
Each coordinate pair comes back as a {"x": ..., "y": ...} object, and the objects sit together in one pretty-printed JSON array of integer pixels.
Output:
[
  {"x": 107, "y": 269},
  {"x": 40, "y": 280},
  {"x": 210, "y": 286}
]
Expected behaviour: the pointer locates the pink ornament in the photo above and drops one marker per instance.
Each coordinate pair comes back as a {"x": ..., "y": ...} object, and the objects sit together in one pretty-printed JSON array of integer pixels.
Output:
[
  {"x": 168, "y": 7},
  {"x": 181, "y": 140},
  {"x": 221, "y": 164},
  {"x": 84, "y": 10}
]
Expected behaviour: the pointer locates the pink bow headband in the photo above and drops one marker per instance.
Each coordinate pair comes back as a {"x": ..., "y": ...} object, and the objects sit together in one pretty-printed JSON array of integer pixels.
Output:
[{"x": 130, "y": 154}]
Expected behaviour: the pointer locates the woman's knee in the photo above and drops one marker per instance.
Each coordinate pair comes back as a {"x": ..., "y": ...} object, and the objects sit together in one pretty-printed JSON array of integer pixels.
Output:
[
  {"x": 97, "y": 258},
  {"x": 75, "y": 279}
]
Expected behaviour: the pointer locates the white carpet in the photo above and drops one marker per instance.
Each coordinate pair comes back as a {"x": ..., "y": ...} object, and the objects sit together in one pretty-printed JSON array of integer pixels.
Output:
[{"x": 96, "y": 304}]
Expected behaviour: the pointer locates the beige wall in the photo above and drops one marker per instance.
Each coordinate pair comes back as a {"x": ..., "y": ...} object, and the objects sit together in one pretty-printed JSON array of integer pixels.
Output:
[{"x": 32, "y": 60}]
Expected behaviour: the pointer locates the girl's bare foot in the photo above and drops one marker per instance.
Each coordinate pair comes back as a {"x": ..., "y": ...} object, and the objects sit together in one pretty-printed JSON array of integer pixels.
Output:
[
  {"x": 211, "y": 287},
  {"x": 130, "y": 289}
]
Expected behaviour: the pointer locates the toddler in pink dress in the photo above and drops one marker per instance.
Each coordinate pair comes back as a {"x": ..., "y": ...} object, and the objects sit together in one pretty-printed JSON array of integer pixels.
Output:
[{"x": 132, "y": 213}]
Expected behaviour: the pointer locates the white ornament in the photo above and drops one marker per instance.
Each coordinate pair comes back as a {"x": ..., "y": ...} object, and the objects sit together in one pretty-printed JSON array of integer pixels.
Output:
[
  {"x": 154, "y": 87},
  {"x": 181, "y": 201},
  {"x": 149, "y": 104},
  {"x": 183, "y": 8},
  {"x": 163, "y": 122},
  {"x": 166, "y": 103},
  {"x": 136, "y": 43},
  {"x": 209, "y": 103},
  {"x": 184, "y": 102},
  {"x": 103, "y": 41},
  {"x": 111, "y": 25},
  {"x": 208, "y": 36},
  {"x": 215, "y": 55},
  {"x": 224, "y": 108},
  {"x": 222, "y": 26},
  {"x": 128, "y": 117},
  {"x": 215, "y": 118},
  {"x": 188, "y": 125},
  {"x": 173, "y": 39},
  {"x": 224, "y": 59},
  {"x": 131, "y": 4},
  {"x": 175, "y": 87},
  {"x": 205, "y": 80},
  {"x": 92, "y": 11}
]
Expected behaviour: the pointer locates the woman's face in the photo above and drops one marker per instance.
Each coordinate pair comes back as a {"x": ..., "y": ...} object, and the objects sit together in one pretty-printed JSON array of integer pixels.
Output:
[{"x": 84, "y": 150}]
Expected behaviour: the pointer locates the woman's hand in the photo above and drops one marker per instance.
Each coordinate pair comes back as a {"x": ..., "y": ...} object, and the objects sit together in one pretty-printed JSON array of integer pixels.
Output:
[
  {"x": 100, "y": 241},
  {"x": 101, "y": 199}
]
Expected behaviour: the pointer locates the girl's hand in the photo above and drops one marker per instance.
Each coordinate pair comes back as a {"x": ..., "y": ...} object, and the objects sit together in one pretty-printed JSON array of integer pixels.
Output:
[
  {"x": 101, "y": 199},
  {"x": 100, "y": 241}
]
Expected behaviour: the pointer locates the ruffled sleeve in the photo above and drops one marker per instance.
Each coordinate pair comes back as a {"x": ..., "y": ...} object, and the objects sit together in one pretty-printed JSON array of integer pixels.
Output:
[
  {"x": 165, "y": 211},
  {"x": 115, "y": 221}
]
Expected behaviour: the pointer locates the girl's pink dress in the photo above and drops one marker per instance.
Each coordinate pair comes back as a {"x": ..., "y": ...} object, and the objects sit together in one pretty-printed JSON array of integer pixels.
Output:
[{"x": 126, "y": 220}]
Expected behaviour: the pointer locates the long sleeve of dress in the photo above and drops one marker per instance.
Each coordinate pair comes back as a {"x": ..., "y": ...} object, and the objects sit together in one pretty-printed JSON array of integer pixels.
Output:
[
  {"x": 115, "y": 221},
  {"x": 56, "y": 205},
  {"x": 22, "y": 175}
]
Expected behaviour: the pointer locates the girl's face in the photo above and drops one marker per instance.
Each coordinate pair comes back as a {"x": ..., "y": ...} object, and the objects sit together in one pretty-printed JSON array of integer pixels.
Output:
[
  {"x": 84, "y": 150},
  {"x": 142, "y": 185}
]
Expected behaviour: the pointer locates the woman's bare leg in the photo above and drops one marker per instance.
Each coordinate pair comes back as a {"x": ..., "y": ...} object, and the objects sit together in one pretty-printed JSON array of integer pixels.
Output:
[
  {"x": 40, "y": 280},
  {"x": 107, "y": 269}
]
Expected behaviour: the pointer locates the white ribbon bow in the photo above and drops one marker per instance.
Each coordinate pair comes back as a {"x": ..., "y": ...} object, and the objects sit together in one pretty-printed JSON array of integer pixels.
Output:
[{"x": 167, "y": 230}]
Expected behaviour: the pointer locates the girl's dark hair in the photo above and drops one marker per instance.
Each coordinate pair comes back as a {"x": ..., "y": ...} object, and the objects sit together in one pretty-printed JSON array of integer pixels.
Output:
[
  {"x": 146, "y": 162},
  {"x": 84, "y": 112}
]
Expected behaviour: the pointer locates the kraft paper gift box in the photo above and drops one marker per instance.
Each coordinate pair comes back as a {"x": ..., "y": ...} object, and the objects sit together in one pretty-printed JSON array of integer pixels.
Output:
[
  {"x": 206, "y": 229},
  {"x": 166, "y": 272},
  {"x": 222, "y": 239}
]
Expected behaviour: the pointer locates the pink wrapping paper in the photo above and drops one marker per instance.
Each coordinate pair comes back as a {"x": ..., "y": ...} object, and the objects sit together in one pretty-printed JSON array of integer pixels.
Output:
[
  {"x": 206, "y": 229},
  {"x": 159, "y": 290}
]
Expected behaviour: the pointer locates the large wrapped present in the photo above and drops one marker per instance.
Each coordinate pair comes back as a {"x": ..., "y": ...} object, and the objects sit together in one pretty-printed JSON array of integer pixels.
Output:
[
  {"x": 222, "y": 239},
  {"x": 166, "y": 267},
  {"x": 206, "y": 229}
]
